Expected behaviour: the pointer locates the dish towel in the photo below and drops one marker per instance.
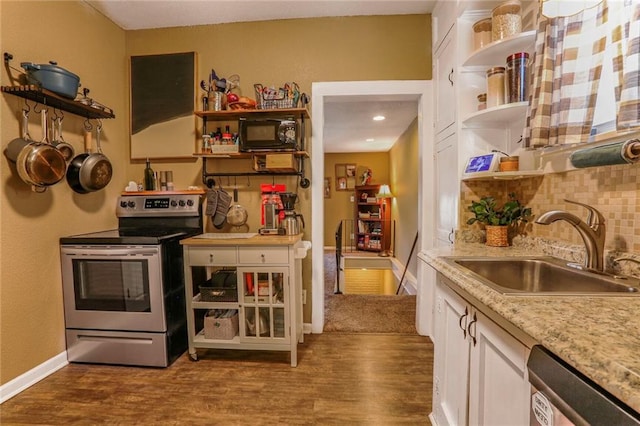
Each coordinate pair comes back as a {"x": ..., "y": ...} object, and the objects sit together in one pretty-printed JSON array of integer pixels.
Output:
[
  {"x": 220, "y": 216},
  {"x": 627, "y": 152},
  {"x": 212, "y": 202}
]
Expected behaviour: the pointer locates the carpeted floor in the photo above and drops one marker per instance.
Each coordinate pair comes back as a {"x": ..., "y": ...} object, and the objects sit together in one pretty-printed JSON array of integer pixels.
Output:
[{"x": 354, "y": 313}]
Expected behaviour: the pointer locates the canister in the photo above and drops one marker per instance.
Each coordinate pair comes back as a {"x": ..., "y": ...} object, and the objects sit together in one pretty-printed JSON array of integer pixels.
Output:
[
  {"x": 517, "y": 77},
  {"x": 482, "y": 101},
  {"x": 495, "y": 87},
  {"x": 481, "y": 33},
  {"x": 509, "y": 164},
  {"x": 506, "y": 20}
]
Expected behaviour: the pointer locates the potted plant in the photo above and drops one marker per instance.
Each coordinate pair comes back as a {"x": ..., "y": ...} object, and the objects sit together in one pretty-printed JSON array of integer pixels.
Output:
[{"x": 497, "y": 220}]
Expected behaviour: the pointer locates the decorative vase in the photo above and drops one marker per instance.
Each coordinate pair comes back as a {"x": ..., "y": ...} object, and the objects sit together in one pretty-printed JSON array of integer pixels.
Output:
[{"x": 497, "y": 236}]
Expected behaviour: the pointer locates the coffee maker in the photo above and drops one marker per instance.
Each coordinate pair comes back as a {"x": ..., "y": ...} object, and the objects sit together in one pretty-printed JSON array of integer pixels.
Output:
[
  {"x": 271, "y": 217},
  {"x": 291, "y": 222}
]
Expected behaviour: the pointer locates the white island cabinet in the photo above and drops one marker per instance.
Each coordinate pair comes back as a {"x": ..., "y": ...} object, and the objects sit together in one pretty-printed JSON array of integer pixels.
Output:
[
  {"x": 256, "y": 282},
  {"x": 480, "y": 371}
]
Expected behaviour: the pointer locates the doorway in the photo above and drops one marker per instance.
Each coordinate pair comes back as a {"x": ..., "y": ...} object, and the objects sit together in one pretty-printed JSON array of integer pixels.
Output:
[{"x": 418, "y": 90}]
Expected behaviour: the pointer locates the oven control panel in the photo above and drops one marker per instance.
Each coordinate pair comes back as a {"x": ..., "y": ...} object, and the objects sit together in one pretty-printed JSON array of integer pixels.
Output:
[{"x": 158, "y": 205}]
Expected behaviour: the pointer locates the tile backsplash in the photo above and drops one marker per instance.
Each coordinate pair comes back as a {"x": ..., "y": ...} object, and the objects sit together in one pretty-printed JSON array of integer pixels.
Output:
[{"x": 613, "y": 190}]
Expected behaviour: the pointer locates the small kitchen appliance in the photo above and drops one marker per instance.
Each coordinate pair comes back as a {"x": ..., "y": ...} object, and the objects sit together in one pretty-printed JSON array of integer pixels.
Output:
[
  {"x": 123, "y": 289},
  {"x": 291, "y": 222},
  {"x": 268, "y": 134},
  {"x": 271, "y": 203}
]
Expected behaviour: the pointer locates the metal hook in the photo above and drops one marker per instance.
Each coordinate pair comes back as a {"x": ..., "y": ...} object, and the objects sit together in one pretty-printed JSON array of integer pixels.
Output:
[
  {"x": 35, "y": 108},
  {"x": 27, "y": 106},
  {"x": 99, "y": 127},
  {"x": 228, "y": 181},
  {"x": 235, "y": 182},
  {"x": 248, "y": 182},
  {"x": 87, "y": 125}
]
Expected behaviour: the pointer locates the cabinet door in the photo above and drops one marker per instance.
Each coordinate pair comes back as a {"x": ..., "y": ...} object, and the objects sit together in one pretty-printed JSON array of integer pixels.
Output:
[
  {"x": 447, "y": 189},
  {"x": 445, "y": 107},
  {"x": 443, "y": 17},
  {"x": 497, "y": 374},
  {"x": 451, "y": 360},
  {"x": 264, "y": 304}
]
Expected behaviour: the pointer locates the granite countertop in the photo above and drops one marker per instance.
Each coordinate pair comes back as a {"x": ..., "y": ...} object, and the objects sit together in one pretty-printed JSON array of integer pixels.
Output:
[{"x": 599, "y": 336}]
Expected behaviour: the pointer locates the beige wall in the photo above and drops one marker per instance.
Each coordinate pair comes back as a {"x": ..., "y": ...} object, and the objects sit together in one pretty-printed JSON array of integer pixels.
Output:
[
  {"x": 83, "y": 41},
  {"x": 404, "y": 168},
  {"x": 339, "y": 206}
]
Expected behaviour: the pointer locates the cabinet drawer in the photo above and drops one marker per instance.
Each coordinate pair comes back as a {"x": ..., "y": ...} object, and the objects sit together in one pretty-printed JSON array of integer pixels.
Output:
[
  {"x": 213, "y": 256},
  {"x": 263, "y": 255}
]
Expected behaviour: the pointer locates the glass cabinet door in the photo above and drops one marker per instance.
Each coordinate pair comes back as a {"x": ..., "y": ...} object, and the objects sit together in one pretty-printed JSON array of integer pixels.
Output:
[{"x": 264, "y": 303}]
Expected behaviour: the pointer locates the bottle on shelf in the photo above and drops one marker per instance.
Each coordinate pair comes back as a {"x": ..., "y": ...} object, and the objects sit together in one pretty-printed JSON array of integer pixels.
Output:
[{"x": 149, "y": 178}]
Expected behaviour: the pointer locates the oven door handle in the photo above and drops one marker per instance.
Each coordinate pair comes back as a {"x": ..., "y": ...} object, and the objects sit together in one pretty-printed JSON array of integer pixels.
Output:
[{"x": 109, "y": 252}]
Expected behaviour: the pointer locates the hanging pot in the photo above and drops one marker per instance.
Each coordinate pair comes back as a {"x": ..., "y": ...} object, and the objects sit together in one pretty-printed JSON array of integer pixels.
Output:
[
  {"x": 67, "y": 150},
  {"x": 38, "y": 163},
  {"x": 16, "y": 145},
  {"x": 89, "y": 172}
]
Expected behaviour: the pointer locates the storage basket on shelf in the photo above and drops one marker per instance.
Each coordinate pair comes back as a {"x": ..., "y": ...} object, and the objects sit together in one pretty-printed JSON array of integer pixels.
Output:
[
  {"x": 282, "y": 98},
  {"x": 221, "y": 287},
  {"x": 221, "y": 324}
]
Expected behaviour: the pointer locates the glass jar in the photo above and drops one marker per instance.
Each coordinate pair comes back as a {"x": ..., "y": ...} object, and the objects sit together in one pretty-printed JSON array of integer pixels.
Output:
[
  {"x": 481, "y": 33},
  {"x": 482, "y": 101},
  {"x": 517, "y": 77},
  {"x": 495, "y": 87},
  {"x": 506, "y": 20}
]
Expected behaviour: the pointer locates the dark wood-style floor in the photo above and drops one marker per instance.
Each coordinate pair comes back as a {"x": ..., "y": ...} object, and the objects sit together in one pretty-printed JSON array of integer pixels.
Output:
[{"x": 341, "y": 379}]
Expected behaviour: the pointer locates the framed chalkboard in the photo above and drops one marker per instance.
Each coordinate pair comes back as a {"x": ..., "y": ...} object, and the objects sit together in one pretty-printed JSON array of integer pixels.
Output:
[{"x": 162, "y": 104}]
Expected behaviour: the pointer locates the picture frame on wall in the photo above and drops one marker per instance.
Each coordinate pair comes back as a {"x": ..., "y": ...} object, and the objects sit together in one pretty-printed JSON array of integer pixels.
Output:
[
  {"x": 345, "y": 177},
  {"x": 327, "y": 187},
  {"x": 163, "y": 101}
]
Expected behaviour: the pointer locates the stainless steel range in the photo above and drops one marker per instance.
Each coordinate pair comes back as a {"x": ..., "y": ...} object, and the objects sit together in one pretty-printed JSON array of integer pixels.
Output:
[{"x": 124, "y": 288}]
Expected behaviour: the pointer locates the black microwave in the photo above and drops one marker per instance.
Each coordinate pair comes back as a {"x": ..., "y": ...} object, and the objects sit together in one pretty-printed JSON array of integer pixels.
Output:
[{"x": 268, "y": 134}]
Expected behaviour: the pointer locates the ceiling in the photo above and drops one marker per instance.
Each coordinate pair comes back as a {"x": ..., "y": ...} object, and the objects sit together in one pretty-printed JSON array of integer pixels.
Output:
[{"x": 348, "y": 121}]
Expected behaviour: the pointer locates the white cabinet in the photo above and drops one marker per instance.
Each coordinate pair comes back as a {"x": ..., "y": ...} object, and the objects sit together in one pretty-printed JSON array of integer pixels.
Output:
[
  {"x": 443, "y": 17},
  {"x": 480, "y": 372},
  {"x": 264, "y": 292},
  {"x": 447, "y": 188},
  {"x": 445, "y": 78}
]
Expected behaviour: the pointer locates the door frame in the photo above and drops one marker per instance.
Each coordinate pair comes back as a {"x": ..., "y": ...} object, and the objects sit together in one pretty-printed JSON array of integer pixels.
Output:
[{"x": 422, "y": 92}]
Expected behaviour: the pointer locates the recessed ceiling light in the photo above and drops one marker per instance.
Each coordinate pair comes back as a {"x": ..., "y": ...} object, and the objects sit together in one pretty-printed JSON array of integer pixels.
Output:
[
  {"x": 379, "y": 118},
  {"x": 370, "y": 139}
]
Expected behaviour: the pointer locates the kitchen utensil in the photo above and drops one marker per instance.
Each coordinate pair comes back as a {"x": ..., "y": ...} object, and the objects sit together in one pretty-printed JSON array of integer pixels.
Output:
[
  {"x": 67, "y": 150},
  {"x": 89, "y": 171},
  {"x": 237, "y": 215},
  {"x": 291, "y": 223},
  {"x": 38, "y": 163},
  {"x": 52, "y": 77}
]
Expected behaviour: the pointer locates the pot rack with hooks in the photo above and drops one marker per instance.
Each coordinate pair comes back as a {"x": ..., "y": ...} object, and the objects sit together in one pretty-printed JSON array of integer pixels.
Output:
[
  {"x": 208, "y": 179},
  {"x": 85, "y": 107}
]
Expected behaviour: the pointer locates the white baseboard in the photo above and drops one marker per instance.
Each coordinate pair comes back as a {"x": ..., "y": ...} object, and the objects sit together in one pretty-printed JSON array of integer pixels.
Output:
[
  {"x": 409, "y": 283},
  {"x": 33, "y": 376},
  {"x": 306, "y": 328}
]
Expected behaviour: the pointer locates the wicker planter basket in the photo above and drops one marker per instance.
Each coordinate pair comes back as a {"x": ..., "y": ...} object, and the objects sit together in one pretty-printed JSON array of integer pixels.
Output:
[{"x": 497, "y": 236}]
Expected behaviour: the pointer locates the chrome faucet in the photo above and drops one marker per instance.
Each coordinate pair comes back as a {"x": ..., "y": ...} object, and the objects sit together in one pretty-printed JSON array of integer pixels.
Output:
[{"x": 592, "y": 232}]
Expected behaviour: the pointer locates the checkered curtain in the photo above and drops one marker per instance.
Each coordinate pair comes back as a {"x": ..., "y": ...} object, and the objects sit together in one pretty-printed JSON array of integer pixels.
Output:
[
  {"x": 625, "y": 37},
  {"x": 567, "y": 66}
]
